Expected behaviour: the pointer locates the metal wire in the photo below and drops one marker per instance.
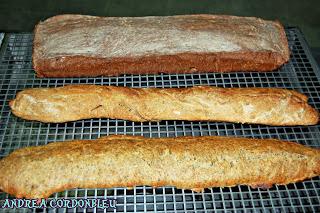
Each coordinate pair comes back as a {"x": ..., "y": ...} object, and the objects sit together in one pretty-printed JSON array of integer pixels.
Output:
[{"x": 301, "y": 74}]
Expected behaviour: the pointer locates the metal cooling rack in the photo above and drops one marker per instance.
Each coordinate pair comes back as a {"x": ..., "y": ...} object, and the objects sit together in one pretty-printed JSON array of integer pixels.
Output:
[{"x": 301, "y": 74}]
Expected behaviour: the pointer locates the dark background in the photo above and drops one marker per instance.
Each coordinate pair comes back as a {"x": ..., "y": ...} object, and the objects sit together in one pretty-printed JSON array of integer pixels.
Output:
[{"x": 22, "y": 15}]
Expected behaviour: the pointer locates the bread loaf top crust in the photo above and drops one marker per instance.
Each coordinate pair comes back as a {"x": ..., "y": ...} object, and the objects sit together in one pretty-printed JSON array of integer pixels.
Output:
[
  {"x": 126, "y": 161},
  {"x": 118, "y": 37},
  {"x": 269, "y": 106}
]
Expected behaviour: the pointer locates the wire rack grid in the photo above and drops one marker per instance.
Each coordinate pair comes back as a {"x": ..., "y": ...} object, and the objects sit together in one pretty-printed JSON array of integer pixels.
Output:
[{"x": 301, "y": 74}]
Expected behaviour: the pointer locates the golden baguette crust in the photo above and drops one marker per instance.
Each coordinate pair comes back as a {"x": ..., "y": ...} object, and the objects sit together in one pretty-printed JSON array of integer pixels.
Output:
[
  {"x": 79, "y": 45},
  {"x": 202, "y": 103},
  {"x": 127, "y": 161}
]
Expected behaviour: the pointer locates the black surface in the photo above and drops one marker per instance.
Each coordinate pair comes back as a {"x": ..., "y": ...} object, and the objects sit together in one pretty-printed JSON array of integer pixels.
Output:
[{"x": 316, "y": 54}]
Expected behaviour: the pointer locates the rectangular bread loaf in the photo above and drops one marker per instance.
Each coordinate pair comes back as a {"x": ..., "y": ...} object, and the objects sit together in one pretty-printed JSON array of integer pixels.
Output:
[
  {"x": 203, "y": 103},
  {"x": 184, "y": 162},
  {"x": 79, "y": 45}
]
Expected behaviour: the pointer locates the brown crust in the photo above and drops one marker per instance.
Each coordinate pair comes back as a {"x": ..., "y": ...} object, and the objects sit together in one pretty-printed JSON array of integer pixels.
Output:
[
  {"x": 127, "y": 161},
  {"x": 284, "y": 41},
  {"x": 203, "y": 103},
  {"x": 230, "y": 61},
  {"x": 81, "y": 66}
]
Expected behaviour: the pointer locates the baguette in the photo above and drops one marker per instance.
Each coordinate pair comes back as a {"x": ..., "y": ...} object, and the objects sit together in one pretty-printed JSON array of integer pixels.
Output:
[
  {"x": 202, "y": 103},
  {"x": 127, "y": 161},
  {"x": 79, "y": 45}
]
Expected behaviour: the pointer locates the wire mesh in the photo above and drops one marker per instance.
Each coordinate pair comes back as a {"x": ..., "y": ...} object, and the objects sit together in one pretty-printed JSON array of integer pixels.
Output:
[{"x": 301, "y": 74}]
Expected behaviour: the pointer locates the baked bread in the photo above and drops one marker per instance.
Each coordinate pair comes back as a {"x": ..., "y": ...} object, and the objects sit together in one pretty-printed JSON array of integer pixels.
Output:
[
  {"x": 202, "y": 103},
  {"x": 79, "y": 45},
  {"x": 126, "y": 161}
]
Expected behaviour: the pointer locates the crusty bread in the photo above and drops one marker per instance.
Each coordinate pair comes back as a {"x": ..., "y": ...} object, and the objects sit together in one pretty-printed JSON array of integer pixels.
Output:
[
  {"x": 202, "y": 103},
  {"x": 126, "y": 161},
  {"x": 79, "y": 45}
]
